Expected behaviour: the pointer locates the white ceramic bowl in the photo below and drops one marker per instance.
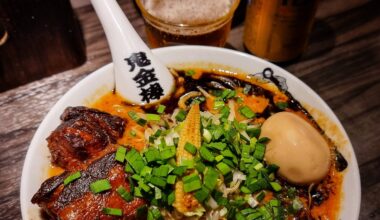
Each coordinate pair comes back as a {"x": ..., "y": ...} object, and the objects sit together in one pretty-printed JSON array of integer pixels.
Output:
[{"x": 102, "y": 81}]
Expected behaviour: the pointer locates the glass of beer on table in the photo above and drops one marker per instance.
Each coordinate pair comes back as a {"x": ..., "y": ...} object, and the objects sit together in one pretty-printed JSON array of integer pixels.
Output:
[{"x": 175, "y": 22}]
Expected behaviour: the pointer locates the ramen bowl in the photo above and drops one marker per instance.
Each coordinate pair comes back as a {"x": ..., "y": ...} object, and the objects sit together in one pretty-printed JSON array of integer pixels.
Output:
[{"x": 100, "y": 82}]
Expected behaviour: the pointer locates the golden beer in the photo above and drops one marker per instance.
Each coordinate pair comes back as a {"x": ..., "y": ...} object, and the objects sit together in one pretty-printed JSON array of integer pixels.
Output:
[{"x": 173, "y": 22}]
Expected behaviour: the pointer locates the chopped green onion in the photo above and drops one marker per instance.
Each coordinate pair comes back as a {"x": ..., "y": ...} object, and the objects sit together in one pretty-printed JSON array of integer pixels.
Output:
[
  {"x": 189, "y": 72},
  {"x": 225, "y": 111},
  {"x": 259, "y": 151},
  {"x": 120, "y": 154},
  {"x": 217, "y": 133},
  {"x": 217, "y": 145},
  {"x": 239, "y": 216},
  {"x": 253, "y": 132},
  {"x": 133, "y": 115},
  {"x": 255, "y": 215},
  {"x": 282, "y": 105},
  {"x": 276, "y": 186},
  {"x": 265, "y": 213},
  {"x": 157, "y": 133},
  {"x": 218, "y": 104},
  {"x": 157, "y": 193},
  {"x": 171, "y": 198},
  {"x": 257, "y": 185},
  {"x": 112, "y": 211},
  {"x": 259, "y": 197},
  {"x": 128, "y": 168},
  {"x": 141, "y": 121},
  {"x": 252, "y": 142},
  {"x": 189, "y": 164},
  {"x": 181, "y": 115},
  {"x": 100, "y": 186},
  {"x": 137, "y": 192},
  {"x": 146, "y": 171},
  {"x": 219, "y": 158},
  {"x": 171, "y": 179},
  {"x": 124, "y": 194},
  {"x": 190, "y": 187},
  {"x": 144, "y": 186},
  {"x": 190, "y": 178},
  {"x": 258, "y": 166},
  {"x": 152, "y": 154},
  {"x": 274, "y": 203},
  {"x": 132, "y": 133},
  {"x": 72, "y": 178},
  {"x": 153, "y": 117},
  {"x": 247, "y": 211},
  {"x": 163, "y": 170},
  {"x": 210, "y": 178},
  {"x": 206, "y": 154},
  {"x": 247, "y": 112},
  {"x": 162, "y": 144},
  {"x": 292, "y": 191},
  {"x": 223, "y": 168},
  {"x": 168, "y": 152},
  {"x": 158, "y": 181},
  {"x": 136, "y": 118},
  {"x": 228, "y": 93},
  {"x": 245, "y": 190},
  {"x": 202, "y": 194},
  {"x": 191, "y": 183},
  {"x": 161, "y": 109},
  {"x": 190, "y": 148},
  {"x": 151, "y": 139},
  {"x": 136, "y": 177},
  {"x": 135, "y": 160},
  {"x": 228, "y": 153},
  {"x": 154, "y": 214},
  {"x": 200, "y": 167},
  {"x": 222, "y": 201},
  {"x": 179, "y": 171}
]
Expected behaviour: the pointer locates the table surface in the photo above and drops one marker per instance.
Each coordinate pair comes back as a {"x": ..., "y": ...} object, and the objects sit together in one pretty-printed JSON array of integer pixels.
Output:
[{"x": 342, "y": 64}]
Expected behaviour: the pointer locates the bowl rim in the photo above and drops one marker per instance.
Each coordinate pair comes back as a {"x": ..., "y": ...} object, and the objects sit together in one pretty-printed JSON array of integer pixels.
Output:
[{"x": 102, "y": 70}]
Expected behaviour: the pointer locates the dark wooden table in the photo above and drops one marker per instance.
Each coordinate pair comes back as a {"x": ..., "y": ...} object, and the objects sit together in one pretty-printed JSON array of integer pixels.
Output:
[{"x": 342, "y": 64}]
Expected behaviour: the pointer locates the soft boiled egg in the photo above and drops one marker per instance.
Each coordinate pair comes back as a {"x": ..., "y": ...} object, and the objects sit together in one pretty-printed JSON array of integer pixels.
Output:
[{"x": 300, "y": 151}]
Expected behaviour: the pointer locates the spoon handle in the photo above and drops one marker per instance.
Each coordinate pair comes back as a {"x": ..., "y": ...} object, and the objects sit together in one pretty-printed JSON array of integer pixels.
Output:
[{"x": 140, "y": 77}]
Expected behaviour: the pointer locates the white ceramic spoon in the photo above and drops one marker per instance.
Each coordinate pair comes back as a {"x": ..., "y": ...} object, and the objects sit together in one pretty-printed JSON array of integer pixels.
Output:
[{"x": 140, "y": 77}]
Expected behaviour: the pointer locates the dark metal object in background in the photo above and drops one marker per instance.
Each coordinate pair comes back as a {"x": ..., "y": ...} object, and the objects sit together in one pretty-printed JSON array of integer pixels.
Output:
[{"x": 44, "y": 37}]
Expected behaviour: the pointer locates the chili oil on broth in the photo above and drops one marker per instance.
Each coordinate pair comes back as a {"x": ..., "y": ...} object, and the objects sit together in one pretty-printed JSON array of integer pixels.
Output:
[{"x": 263, "y": 102}]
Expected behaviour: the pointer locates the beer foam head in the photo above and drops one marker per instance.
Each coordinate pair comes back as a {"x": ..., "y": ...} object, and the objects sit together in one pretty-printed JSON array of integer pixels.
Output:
[{"x": 190, "y": 12}]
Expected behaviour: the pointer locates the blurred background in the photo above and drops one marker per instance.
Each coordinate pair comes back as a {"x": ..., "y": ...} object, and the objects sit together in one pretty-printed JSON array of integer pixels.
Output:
[{"x": 46, "y": 37}]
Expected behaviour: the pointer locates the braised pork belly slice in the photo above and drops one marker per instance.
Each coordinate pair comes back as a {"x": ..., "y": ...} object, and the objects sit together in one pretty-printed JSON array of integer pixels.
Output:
[
  {"x": 82, "y": 136},
  {"x": 76, "y": 200}
]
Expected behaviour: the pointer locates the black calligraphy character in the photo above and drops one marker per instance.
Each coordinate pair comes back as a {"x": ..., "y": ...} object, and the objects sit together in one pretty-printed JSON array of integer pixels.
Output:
[
  {"x": 144, "y": 77},
  {"x": 154, "y": 91},
  {"x": 137, "y": 58}
]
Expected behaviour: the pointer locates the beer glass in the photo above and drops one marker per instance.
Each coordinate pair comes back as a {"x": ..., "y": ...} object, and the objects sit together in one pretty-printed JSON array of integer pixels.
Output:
[{"x": 174, "y": 22}]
